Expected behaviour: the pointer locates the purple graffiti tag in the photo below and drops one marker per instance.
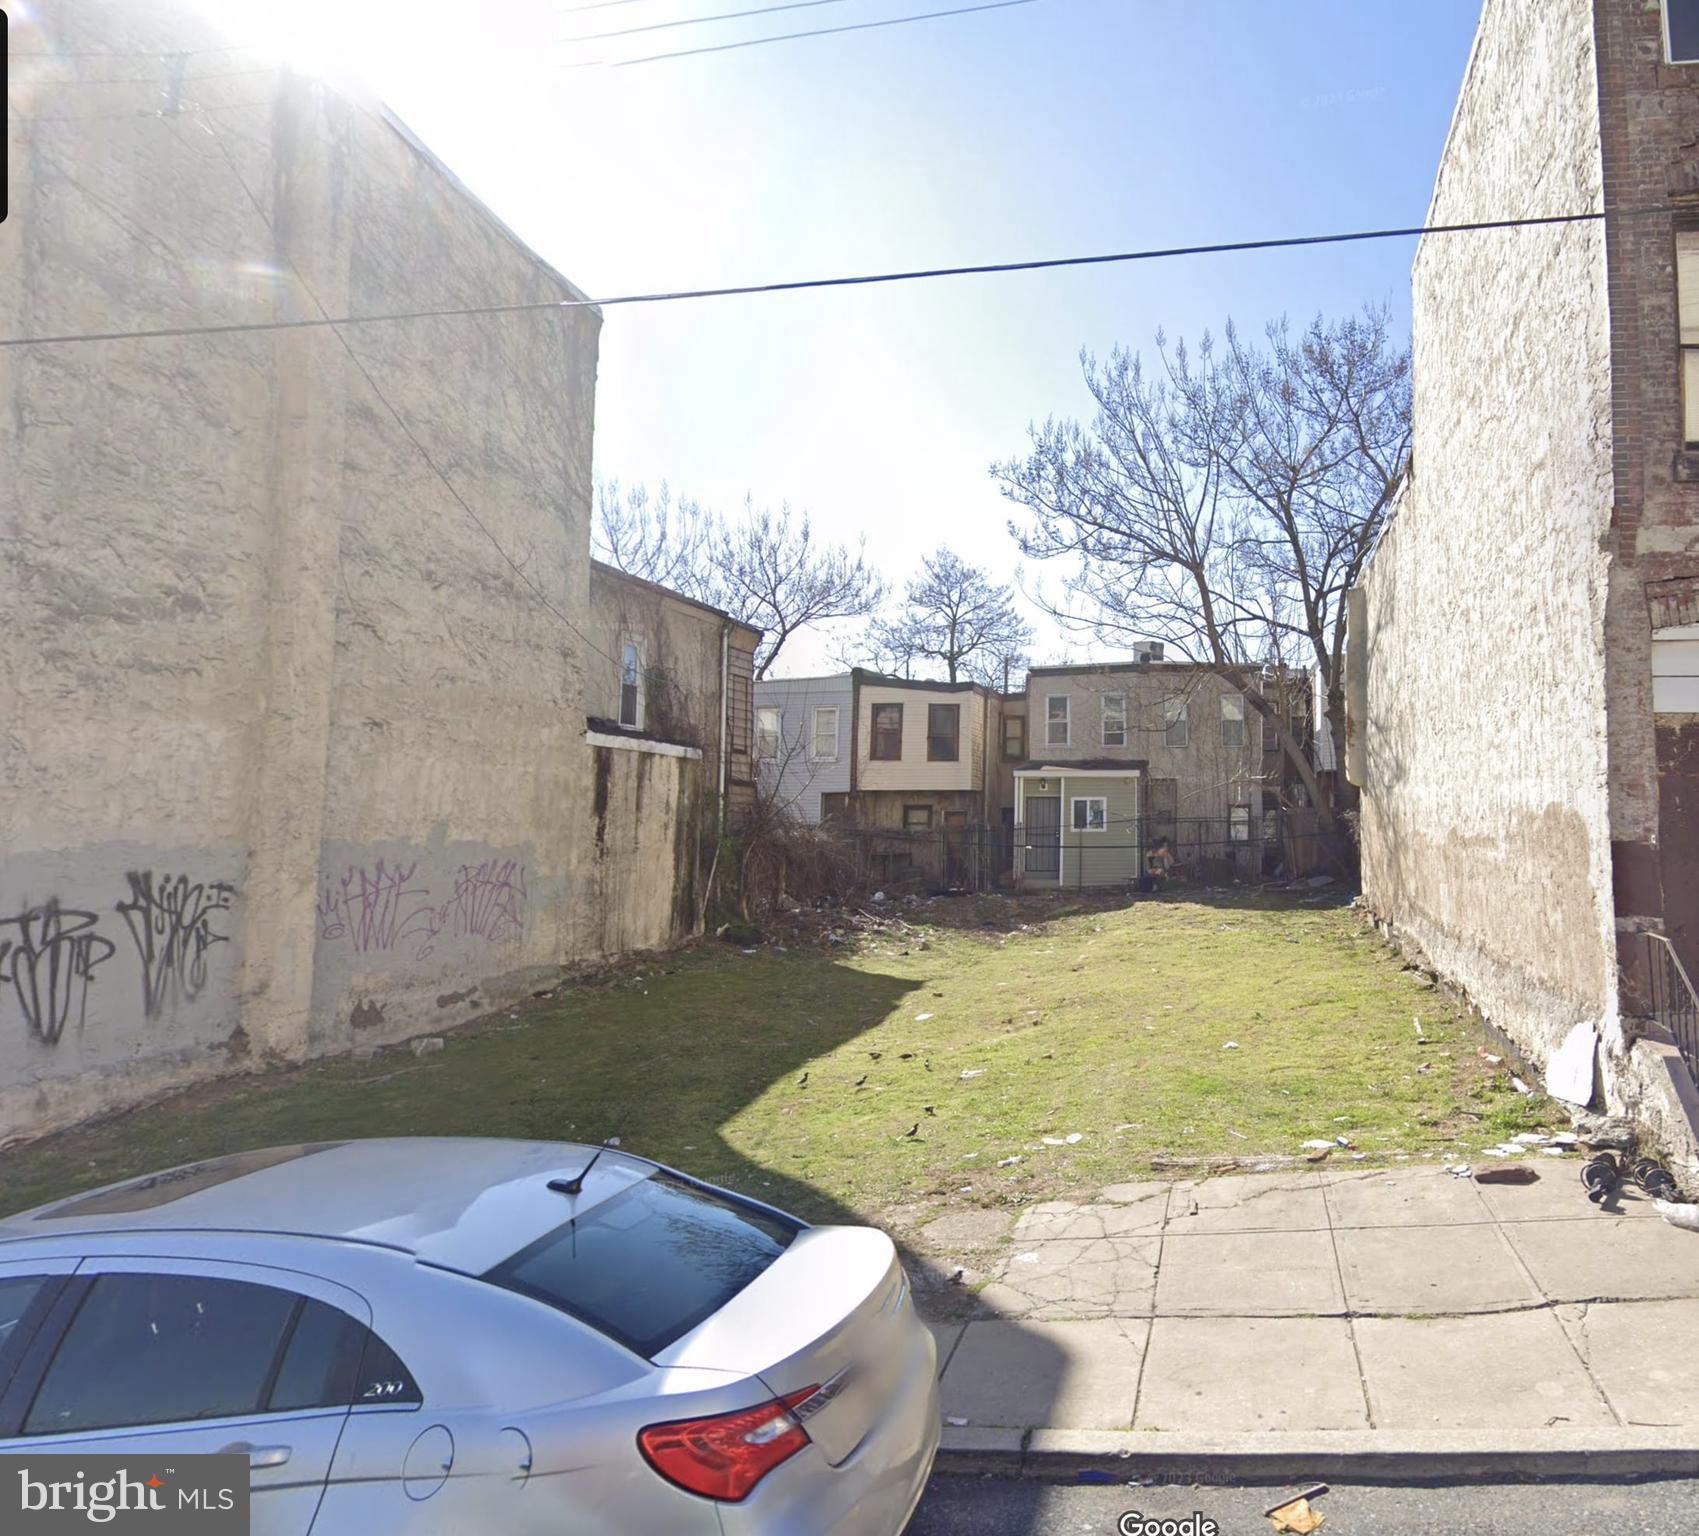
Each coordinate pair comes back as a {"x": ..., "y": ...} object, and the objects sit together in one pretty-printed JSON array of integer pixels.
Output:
[
  {"x": 50, "y": 960},
  {"x": 171, "y": 920},
  {"x": 375, "y": 906},
  {"x": 489, "y": 900}
]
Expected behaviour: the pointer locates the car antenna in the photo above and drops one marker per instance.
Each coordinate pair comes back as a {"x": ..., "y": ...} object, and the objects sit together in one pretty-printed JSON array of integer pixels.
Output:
[{"x": 575, "y": 1185}]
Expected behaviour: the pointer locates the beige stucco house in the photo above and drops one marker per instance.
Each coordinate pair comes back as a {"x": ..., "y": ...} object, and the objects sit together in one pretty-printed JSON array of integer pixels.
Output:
[{"x": 300, "y": 646}]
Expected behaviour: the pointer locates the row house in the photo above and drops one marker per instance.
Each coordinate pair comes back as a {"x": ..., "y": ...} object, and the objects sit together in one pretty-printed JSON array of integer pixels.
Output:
[
  {"x": 1067, "y": 783},
  {"x": 1523, "y": 661},
  {"x": 1125, "y": 754}
]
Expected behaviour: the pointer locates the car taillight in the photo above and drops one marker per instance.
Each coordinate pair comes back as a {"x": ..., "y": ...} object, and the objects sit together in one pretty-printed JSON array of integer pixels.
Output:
[{"x": 727, "y": 1455}]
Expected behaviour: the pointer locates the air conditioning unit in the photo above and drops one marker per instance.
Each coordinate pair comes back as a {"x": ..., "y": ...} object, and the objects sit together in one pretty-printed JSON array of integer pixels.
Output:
[{"x": 1148, "y": 650}]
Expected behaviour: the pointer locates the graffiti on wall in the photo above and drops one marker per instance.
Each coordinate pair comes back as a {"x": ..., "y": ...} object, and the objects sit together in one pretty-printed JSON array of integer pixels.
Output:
[
  {"x": 49, "y": 953},
  {"x": 381, "y": 907},
  {"x": 173, "y": 922},
  {"x": 375, "y": 906}
]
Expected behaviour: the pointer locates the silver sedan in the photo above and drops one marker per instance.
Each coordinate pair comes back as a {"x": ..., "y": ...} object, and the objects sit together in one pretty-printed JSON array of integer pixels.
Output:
[{"x": 462, "y": 1336}]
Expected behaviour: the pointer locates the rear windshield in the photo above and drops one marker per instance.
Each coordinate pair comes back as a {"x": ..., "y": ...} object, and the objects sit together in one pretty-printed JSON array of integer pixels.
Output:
[{"x": 651, "y": 1263}]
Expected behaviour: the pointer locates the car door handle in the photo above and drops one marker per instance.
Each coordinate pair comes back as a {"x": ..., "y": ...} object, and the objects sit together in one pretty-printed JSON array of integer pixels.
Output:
[{"x": 258, "y": 1455}]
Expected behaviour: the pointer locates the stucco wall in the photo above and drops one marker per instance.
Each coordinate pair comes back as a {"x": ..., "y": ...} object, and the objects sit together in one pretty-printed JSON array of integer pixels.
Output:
[
  {"x": 679, "y": 644},
  {"x": 291, "y": 673},
  {"x": 1485, "y": 821}
]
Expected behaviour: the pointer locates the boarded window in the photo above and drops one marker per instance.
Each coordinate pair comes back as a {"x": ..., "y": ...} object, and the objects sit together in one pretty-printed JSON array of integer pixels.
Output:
[
  {"x": 1232, "y": 720},
  {"x": 769, "y": 723},
  {"x": 1681, "y": 30},
  {"x": 1687, "y": 293},
  {"x": 1239, "y": 823},
  {"x": 1114, "y": 719},
  {"x": 825, "y": 735},
  {"x": 1177, "y": 731},
  {"x": 1056, "y": 730},
  {"x": 1090, "y": 813},
  {"x": 1014, "y": 738},
  {"x": 917, "y": 818},
  {"x": 885, "y": 740},
  {"x": 631, "y": 688},
  {"x": 943, "y": 733}
]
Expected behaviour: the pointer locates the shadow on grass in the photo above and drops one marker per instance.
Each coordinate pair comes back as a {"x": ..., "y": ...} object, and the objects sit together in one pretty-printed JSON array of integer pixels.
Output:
[{"x": 665, "y": 1058}]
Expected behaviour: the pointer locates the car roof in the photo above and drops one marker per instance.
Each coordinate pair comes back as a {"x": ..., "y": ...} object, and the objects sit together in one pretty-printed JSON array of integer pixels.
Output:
[{"x": 463, "y": 1203}]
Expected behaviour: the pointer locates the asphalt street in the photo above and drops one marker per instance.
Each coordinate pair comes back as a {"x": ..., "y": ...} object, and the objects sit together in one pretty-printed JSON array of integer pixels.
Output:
[{"x": 961, "y": 1506}]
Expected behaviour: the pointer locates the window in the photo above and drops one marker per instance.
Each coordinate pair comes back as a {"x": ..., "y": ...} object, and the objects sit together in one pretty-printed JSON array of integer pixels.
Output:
[
  {"x": 1681, "y": 31},
  {"x": 917, "y": 818},
  {"x": 1090, "y": 813},
  {"x": 332, "y": 1361},
  {"x": 23, "y": 1298},
  {"x": 1232, "y": 720},
  {"x": 1056, "y": 730},
  {"x": 651, "y": 1263},
  {"x": 1114, "y": 719},
  {"x": 769, "y": 726},
  {"x": 162, "y": 1349},
  {"x": 631, "y": 687},
  {"x": 1239, "y": 823},
  {"x": 1014, "y": 738},
  {"x": 1177, "y": 729},
  {"x": 825, "y": 748},
  {"x": 943, "y": 733},
  {"x": 1687, "y": 300},
  {"x": 886, "y": 744}
]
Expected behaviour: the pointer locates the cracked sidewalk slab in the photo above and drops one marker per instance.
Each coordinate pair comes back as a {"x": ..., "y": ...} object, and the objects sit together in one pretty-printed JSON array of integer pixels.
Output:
[{"x": 1425, "y": 1313}]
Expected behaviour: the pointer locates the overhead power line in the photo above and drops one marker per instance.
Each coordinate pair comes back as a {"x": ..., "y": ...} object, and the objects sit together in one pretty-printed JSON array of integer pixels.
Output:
[
  {"x": 867, "y": 279},
  {"x": 701, "y": 21},
  {"x": 789, "y": 37}
]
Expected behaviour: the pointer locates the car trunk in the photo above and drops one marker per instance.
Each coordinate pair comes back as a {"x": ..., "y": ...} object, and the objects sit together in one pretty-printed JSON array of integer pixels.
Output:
[{"x": 831, "y": 1313}]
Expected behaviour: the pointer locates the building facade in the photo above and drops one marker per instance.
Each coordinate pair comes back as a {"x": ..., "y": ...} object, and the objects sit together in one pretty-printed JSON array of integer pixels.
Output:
[
  {"x": 1121, "y": 754},
  {"x": 299, "y": 642},
  {"x": 1521, "y": 648},
  {"x": 803, "y": 730}
]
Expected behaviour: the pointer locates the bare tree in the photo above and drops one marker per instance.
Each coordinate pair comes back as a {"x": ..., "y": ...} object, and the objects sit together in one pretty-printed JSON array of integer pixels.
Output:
[
  {"x": 765, "y": 568},
  {"x": 1224, "y": 503},
  {"x": 650, "y": 537},
  {"x": 955, "y": 616}
]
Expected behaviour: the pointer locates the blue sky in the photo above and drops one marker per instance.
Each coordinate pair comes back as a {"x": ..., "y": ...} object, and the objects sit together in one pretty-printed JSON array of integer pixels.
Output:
[{"x": 1057, "y": 127}]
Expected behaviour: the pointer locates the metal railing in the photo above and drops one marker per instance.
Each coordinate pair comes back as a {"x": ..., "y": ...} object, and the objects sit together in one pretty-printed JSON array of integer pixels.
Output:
[
  {"x": 1671, "y": 997},
  {"x": 1194, "y": 850}
]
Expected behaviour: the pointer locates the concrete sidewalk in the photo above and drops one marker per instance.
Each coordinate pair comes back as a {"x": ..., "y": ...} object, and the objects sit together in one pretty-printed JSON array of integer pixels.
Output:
[{"x": 1362, "y": 1309}]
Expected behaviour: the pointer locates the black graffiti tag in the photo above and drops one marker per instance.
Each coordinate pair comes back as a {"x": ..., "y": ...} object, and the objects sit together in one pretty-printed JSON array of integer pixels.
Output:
[
  {"x": 171, "y": 920},
  {"x": 50, "y": 955}
]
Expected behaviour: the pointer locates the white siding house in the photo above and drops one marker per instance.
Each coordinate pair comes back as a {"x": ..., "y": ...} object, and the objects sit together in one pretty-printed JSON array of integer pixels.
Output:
[{"x": 802, "y": 740}]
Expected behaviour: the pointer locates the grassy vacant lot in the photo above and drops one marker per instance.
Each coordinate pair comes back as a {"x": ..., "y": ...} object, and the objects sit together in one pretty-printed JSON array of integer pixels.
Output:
[{"x": 890, "y": 1073}]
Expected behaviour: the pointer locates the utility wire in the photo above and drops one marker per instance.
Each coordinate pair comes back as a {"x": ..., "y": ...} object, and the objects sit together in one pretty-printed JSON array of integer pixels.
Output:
[
  {"x": 921, "y": 274},
  {"x": 699, "y": 21},
  {"x": 787, "y": 37}
]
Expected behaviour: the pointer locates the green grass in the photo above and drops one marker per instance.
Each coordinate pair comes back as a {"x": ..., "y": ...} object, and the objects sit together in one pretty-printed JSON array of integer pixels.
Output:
[{"x": 1103, "y": 1019}]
